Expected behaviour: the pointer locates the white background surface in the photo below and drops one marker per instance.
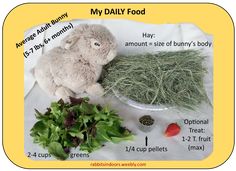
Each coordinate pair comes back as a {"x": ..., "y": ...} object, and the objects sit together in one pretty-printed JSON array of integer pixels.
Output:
[{"x": 5, "y": 8}]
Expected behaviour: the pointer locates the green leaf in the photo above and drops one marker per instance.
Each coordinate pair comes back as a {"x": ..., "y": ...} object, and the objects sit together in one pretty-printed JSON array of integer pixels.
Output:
[
  {"x": 102, "y": 135},
  {"x": 76, "y": 133},
  {"x": 119, "y": 139},
  {"x": 39, "y": 127},
  {"x": 100, "y": 116},
  {"x": 106, "y": 110},
  {"x": 113, "y": 131},
  {"x": 38, "y": 115},
  {"x": 55, "y": 110},
  {"x": 85, "y": 119},
  {"x": 86, "y": 108},
  {"x": 57, "y": 151},
  {"x": 95, "y": 109},
  {"x": 55, "y": 133},
  {"x": 68, "y": 143}
]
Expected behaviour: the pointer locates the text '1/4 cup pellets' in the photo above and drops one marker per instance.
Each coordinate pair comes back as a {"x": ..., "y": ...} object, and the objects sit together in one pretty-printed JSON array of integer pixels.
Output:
[{"x": 146, "y": 123}]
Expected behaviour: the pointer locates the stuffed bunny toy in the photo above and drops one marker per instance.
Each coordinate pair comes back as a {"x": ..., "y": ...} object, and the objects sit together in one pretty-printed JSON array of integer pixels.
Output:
[{"x": 75, "y": 66}]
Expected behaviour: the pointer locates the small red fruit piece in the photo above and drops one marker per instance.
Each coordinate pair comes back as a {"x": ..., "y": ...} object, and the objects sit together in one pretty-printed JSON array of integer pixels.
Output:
[{"x": 172, "y": 130}]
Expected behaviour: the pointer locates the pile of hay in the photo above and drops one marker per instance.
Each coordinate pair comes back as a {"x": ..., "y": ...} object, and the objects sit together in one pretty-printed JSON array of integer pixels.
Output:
[{"x": 166, "y": 78}]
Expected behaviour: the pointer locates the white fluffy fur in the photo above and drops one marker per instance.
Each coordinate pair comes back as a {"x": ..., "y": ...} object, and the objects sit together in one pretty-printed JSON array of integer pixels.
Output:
[{"x": 76, "y": 65}]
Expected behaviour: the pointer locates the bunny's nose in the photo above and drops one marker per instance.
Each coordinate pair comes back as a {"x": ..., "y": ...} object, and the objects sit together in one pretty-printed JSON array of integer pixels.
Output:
[
  {"x": 111, "y": 55},
  {"x": 115, "y": 45}
]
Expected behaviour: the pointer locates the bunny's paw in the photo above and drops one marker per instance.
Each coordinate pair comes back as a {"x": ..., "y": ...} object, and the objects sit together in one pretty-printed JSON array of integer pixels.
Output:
[
  {"x": 64, "y": 93},
  {"x": 95, "y": 90}
]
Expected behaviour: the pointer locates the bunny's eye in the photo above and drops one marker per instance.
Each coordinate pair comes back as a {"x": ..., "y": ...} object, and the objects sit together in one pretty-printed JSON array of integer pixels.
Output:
[{"x": 96, "y": 44}]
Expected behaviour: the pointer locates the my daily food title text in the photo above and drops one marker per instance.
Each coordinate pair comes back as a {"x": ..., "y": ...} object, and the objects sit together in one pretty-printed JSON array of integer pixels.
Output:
[{"x": 117, "y": 11}]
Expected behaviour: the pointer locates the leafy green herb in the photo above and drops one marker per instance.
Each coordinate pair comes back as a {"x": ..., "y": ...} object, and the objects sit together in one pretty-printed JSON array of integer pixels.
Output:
[
  {"x": 56, "y": 150},
  {"x": 69, "y": 125},
  {"x": 166, "y": 78}
]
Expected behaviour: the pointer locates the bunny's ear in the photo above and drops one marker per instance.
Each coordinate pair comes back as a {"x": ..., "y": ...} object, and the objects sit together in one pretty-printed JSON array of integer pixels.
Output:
[
  {"x": 69, "y": 41},
  {"x": 83, "y": 27}
]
